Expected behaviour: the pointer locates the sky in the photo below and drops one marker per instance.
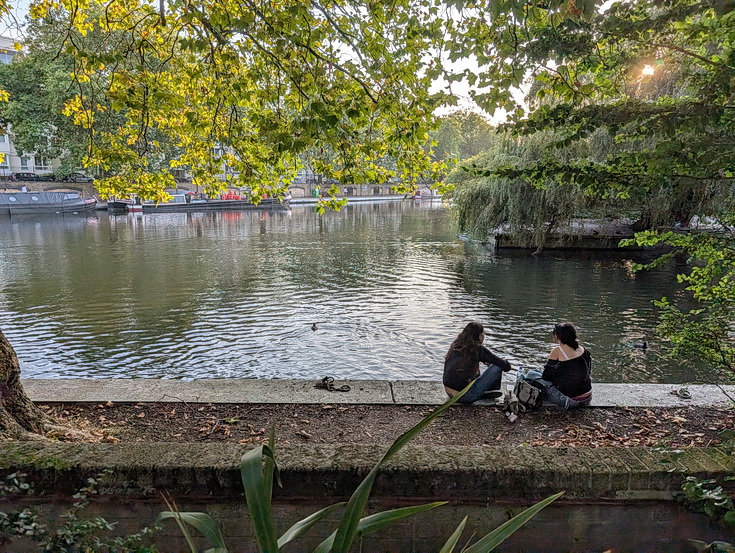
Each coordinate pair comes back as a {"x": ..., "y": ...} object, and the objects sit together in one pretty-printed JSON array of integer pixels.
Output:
[{"x": 9, "y": 25}]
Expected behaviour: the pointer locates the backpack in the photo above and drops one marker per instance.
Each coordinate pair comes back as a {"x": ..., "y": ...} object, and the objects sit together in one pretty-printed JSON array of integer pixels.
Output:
[{"x": 530, "y": 393}]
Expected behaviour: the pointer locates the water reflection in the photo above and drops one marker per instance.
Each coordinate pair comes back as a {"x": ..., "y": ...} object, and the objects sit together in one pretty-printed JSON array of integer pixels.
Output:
[{"x": 196, "y": 295}]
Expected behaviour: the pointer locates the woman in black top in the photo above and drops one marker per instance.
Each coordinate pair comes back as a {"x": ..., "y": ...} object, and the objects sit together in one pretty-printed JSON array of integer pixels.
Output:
[
  {"x": 462, "y": 365},
  {"x": 567, "y": 372}
]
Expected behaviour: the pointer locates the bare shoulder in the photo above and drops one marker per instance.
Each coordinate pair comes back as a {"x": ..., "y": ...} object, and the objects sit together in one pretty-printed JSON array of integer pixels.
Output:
[{"x": 555, "y": 354}]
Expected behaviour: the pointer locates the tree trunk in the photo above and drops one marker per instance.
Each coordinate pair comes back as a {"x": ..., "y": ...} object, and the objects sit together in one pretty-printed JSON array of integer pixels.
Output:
[{"x": 19, "y": 417}]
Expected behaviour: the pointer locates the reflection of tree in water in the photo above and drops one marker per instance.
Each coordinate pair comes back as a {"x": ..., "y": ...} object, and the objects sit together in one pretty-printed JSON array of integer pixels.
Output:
[
  {"x": 146, "y": 280},
  {"x": 594, "y": 289},
  {"x": 358, "y": 242},
  {"x": 195, "y": 293}
]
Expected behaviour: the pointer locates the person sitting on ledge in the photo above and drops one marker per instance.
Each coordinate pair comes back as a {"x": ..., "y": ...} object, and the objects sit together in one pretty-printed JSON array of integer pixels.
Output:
[
  {"x": 566, "y": 374},
  {"x": 462, "y": 366}
]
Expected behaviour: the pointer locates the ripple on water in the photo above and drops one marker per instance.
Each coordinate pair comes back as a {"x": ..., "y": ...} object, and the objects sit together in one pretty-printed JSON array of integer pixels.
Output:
[{"x": 235, "y": 295}]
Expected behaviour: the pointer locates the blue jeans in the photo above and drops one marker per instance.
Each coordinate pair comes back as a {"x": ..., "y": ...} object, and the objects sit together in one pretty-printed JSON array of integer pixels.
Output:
[
  {"x": 488, "y": 380},
  {"x": 553, "y": 395}
]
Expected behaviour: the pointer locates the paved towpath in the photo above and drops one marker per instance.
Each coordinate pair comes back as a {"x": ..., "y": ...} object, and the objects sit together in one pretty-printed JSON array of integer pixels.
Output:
[{"x": 376, "y": 392}]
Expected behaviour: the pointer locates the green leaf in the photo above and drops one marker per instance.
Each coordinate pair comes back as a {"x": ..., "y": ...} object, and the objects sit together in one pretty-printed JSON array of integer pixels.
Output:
[
  {"x": 258, "y": 488},
  {"x": 356, "y": 505},
  {"x": 303, "y": 525},
  {"x": 729, "y": 518},
  {"x": 377, "y": 521},
  {"x": 501, "y": 533},
  {"x": 454, "y": 538},
  {"x": 269, "y": 465},
  {"x": 202, "y": 522}
]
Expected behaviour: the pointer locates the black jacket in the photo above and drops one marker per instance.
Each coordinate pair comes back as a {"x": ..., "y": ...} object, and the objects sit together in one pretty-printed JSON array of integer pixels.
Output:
[
  {"x": 572, "y": 377},
  {"x": 457, "y": 379}
]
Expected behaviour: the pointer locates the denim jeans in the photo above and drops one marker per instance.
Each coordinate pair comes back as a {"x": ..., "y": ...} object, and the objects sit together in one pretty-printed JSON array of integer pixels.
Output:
[
  {"x": 488, "y": 380},
  {"x": 553, "y": 395}
]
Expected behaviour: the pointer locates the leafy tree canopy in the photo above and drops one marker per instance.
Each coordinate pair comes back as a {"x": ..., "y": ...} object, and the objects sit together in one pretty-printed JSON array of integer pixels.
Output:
[
  {"x": 461, "y": 135},
  {"x": 657, "y": 76},
  {"x": 252, "y": 85},
  {"x": 39, "y": 83},
  {"x": 255, "y": 85},
  {"x": 533, "y": 215}
]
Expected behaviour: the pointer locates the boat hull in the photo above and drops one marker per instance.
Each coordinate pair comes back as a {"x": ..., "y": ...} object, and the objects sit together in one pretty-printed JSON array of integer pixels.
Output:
[
  {"x": 215, "y": 205},
  {"x": 120, "y": 205},
  {"x": 31, "y": 203}
]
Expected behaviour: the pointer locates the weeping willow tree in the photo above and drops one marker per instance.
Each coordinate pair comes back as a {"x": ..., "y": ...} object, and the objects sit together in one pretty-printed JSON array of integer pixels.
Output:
[
  {"x": 528, "y": 185},
  {"x": 535, "y": 216}
]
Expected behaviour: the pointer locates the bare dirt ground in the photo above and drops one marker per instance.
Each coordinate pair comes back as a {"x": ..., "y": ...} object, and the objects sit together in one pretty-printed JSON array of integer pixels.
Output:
[{"x": 381, "y": 424}]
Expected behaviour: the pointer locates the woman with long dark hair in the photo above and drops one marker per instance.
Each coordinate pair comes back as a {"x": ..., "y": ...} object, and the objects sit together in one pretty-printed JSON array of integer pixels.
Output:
[
  {"x": 566, "y": 374},
  {"x": 462, "y": 365}
]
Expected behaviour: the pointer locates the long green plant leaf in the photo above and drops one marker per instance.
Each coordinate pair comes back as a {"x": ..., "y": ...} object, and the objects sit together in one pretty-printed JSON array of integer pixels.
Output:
[
  {"x": 356, "y": 505},
  {"x": 269, "y": 465},
  {"x": 202, "y": 522},
  {"x": 454, "y": 538},
  {"x": 501, "y": 533},
  {"x": 303, "y": 525},
  {"x": 377, "y": 521},
  {"x": 258, "y": 488}
]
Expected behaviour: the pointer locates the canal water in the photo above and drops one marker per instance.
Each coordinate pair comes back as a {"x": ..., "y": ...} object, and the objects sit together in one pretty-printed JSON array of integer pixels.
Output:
[{"x": 235, "y": 295}]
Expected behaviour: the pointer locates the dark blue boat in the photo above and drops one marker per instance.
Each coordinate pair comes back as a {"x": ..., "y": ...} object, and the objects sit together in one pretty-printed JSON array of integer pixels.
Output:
[{"x": 21, "y": 203}]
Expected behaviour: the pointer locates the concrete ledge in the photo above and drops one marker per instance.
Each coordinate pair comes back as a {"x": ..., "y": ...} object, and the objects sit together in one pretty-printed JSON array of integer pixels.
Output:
[
  {"x": 471, "y": 474},
  {"x": 214, "y": 390},
  {"x": 375, "y": 392}
]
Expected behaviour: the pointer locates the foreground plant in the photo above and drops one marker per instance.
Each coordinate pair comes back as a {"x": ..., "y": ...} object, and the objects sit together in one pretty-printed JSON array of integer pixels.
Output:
[{"x": 257, "y": 469}]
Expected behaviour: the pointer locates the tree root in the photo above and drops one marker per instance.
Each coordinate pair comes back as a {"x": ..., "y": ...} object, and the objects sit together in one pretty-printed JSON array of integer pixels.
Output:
[
  {"x": 68, "y": 434},
  {"x": 11, "y": 430},
  {"x": 52, "y": 430}
]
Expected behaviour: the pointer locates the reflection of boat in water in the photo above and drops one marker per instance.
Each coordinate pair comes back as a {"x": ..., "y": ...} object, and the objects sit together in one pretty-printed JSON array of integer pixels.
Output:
[
  {"x": 19, "y": 203},
  {"x": 180, "y": 202}
]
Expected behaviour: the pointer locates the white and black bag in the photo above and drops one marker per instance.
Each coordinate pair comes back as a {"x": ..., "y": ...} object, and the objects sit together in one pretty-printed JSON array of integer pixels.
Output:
[{"x": 530, "y": 393}]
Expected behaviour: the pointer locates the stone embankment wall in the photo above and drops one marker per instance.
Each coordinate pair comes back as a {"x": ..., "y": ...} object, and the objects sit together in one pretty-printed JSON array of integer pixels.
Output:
[{"x": 616, "y": 498}]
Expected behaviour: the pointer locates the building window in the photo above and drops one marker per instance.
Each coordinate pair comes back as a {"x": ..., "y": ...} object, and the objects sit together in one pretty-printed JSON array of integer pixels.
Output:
[
  {"x": 3, "y": 138},
  {"x": 6, "y": 57},
  {"x": 24, "y": 163},
  {"x": 42, "y": 164}
]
